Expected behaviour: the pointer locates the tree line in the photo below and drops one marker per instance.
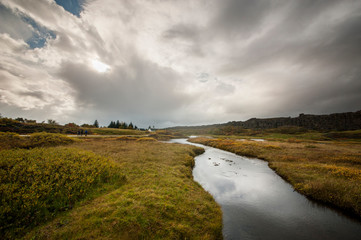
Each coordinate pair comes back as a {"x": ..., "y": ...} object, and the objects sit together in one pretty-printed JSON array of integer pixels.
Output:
[{"x": 121, "y": 125}]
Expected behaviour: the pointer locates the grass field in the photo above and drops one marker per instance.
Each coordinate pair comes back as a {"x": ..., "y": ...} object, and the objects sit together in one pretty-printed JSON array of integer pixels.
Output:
[
  {"x": 327, "y": 171},
  {"x": 116, "y": 131},
  {"x": 158, "y": 199}
]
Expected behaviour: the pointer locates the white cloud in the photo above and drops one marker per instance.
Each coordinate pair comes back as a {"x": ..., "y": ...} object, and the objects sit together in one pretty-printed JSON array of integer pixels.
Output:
[{"x": 181, "y": 62}]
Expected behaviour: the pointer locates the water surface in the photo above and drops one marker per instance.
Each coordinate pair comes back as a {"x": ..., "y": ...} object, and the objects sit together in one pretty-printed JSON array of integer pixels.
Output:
[{"x": 258, "y": 204}]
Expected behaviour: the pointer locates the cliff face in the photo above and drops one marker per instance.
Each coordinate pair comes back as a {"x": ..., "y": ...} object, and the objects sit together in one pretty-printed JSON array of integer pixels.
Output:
[{"x": 336, "y": 121}]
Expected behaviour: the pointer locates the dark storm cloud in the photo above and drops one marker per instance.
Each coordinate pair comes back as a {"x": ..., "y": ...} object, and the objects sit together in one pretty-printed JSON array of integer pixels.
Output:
[
  {"x": 314, "y": 40},
  {"x": 241, "y": 17},
  {"x": 289, "y": 39}
]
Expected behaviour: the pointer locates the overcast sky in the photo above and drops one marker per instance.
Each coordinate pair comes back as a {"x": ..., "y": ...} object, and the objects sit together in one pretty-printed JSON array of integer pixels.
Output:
[{"x": 178, "y": 62}]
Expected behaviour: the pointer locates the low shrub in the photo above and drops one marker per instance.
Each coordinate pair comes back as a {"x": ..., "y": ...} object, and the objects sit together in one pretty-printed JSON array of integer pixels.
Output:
[
  {"x": 10, "y": 140},
  {"x": 47, "y": 139},
  {"x": 35, "y": 184}
]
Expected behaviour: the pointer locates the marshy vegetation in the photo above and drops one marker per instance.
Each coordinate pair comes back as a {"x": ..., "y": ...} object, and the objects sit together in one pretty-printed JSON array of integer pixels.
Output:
[
  {"x": 108, "y": 188},
  {"x": 9, "y": 140},
  {"x": 327, "y": 171},
  {"x": 38, "y": 183}
]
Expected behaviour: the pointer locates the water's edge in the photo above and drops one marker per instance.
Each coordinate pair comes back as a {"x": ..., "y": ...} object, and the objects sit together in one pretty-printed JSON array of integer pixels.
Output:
[{"x": 257, "y": 203}]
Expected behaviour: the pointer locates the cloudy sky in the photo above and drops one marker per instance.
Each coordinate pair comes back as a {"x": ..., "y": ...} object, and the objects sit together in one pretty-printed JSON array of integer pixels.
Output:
[{"x": 178, "y": 62}]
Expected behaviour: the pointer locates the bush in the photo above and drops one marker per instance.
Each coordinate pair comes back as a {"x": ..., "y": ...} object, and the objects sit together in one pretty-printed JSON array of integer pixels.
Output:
[
  {"x": 36, "y": 184},
  {"x": 10, "y": 140},
  {"x": 47, "y": 140}
]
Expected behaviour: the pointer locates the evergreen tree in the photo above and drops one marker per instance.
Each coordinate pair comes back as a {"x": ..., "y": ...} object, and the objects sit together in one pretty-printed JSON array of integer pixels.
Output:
[
  {"x": 130, "y": 125},
  {"x": 111, "y": 125},
  {"x": 117, "y": 125},
  {"x": 96, "y": 124}
]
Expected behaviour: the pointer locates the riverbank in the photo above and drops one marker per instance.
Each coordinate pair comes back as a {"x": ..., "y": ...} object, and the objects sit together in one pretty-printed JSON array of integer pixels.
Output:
[
  {"x": 329, "y": 172},
  {"x": 158, "y": 200}
]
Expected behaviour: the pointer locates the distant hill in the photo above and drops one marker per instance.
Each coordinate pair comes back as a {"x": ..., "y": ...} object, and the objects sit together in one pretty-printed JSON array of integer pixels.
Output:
[
  {"x": 335, "y": 121},
  {"x": 330, "y": 122}
]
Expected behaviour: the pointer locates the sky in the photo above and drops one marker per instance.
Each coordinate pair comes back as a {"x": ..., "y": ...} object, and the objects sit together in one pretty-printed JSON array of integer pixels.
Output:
[{"x": 178, "y": 62}]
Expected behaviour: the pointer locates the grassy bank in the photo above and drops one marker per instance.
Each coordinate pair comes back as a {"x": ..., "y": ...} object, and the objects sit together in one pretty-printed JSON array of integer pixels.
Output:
[
  {"x": 281, "y": 133},
  {"x": 329, "y": 172},
  {"x": 159, "y": 200}
]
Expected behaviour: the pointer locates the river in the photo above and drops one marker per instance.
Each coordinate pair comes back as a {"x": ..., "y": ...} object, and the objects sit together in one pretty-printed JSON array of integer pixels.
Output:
[{"x": 258, "y": 204}]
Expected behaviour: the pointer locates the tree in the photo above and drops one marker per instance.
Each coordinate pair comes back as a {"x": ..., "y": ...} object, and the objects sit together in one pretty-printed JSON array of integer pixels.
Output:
[
  {"x": 20, "y": 119},
  {"x": 52, "y": 122},
  {"x": 123, "y": 125},
  {"x": 111, "y": 125},
  {"x": 130, "y": 126},
  {"x": 117, "y": 125},
  {"x": 96, "y": 124}
]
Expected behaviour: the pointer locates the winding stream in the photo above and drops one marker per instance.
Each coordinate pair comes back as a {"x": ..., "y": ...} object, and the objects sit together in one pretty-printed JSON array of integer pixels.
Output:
[{"x": 258, "y": 204}]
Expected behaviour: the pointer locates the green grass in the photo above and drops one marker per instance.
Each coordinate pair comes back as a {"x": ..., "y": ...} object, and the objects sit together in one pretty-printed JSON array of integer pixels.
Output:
[
  {"x": 38, "y": 183},
  {"x": 115, "y": 131},
  {"x": 159, "y": 200},
  {"x": 329, "y": 172}
]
